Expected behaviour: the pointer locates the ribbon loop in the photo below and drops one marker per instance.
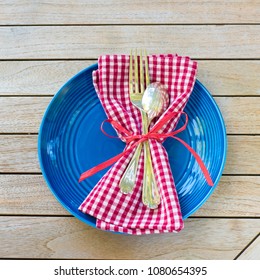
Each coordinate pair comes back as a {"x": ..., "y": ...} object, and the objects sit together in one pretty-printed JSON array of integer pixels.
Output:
[{"x": 137, "y": 139}]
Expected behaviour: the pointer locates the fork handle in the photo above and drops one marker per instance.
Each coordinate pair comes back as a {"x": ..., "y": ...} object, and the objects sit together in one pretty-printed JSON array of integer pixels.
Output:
[
  {"x": 150, "y": 193},
  {"x": 128, "y": 178},
  {"x": 127, "y": 181}
]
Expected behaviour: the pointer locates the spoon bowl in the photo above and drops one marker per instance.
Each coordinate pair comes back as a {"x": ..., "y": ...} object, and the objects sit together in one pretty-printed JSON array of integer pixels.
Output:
[{"x": 155, "y": 100}]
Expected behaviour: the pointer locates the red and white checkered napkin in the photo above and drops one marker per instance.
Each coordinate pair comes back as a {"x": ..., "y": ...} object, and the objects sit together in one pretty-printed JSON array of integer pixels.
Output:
[{"x": 114, "y": 210}]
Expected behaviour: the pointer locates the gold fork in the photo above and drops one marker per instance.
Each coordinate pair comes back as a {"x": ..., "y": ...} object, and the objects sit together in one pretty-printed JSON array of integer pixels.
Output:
[{"x": 150, "y": 194}]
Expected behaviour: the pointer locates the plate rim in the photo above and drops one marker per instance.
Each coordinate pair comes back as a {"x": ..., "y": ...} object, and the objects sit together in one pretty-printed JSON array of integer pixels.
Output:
[{"x": 224, "y": 157}]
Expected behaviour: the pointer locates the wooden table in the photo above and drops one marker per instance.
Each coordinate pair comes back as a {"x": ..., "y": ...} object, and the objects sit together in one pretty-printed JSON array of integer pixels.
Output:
[{"x": 43, "y": 44}]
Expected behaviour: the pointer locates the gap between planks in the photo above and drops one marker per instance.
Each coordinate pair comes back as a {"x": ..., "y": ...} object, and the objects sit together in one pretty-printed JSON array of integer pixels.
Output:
[{"x": 132, "y": 24}]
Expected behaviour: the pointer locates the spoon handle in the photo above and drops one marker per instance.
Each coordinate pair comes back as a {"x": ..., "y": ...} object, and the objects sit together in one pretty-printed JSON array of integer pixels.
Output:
[{"x": 150, "y": 195}]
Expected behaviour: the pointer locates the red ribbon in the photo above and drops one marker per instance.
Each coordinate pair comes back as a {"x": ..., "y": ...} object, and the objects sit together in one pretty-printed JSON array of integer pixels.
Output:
[{"x": 137, "y": 139}]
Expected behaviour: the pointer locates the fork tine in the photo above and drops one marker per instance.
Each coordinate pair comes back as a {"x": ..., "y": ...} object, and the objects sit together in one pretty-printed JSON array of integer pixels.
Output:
[
  {"x": 131, "y": 73},
  {"x": 147, "y": 79},
  {"x": 141, "y": 73},
  {"x": 136, "y": 73}
]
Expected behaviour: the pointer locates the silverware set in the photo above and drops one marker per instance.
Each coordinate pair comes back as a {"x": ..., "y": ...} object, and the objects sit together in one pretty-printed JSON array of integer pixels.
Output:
[{"x": 152, "y": 100}]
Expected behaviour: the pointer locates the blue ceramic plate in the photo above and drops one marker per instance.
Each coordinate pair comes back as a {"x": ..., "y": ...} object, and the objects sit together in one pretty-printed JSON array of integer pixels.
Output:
[{"x": 70, "y": 142}]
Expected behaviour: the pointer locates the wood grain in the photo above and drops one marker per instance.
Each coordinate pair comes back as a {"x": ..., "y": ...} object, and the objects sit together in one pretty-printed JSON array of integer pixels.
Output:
[
  {"x": 235, "y": 196},
  {"x": 37, "y": 77},
  {"x": 46, "y": 77},
  {"x": 243, "y": 155},
  {"x": 52, "y": 42},
  {"x": 241, "y": 114},
  {"x": 24, "y": 114},
  {"x": 27, "y": 195},
  {"x": 18, "y": 154},
  {"x": 67, "y": 238},
  {"x": 252, "y": 252},
  {"x": 125, "y": 12}
]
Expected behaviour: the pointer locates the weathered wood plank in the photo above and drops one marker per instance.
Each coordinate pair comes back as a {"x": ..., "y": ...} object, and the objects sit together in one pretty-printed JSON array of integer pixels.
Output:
[
  {"x": 50, "y": 42},
  {"x": 37, "y": 77},
  {"x": 243, "y": 155},
  {"x": 241, "y": 114},
  {"x": 27, "y": 195},
  {"x": 46, "y": 77},
  {"x": 235, "y": 196},
  {"x": 24, "y": 114},
  {"x": 58, "y": 237},
  {"x": 125, "y": 12},
  {"x": 229, "y": 78},
  {"x": 252, "y": 252},
  {"x": 18, "y": 154}
]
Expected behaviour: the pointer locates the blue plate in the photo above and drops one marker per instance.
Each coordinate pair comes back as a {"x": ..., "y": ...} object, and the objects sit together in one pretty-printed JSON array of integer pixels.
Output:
[{"x": 70, "y": 142}]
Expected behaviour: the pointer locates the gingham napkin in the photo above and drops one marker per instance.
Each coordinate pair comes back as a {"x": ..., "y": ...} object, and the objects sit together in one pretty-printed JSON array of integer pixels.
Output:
[{"x": 114, "y": 210}]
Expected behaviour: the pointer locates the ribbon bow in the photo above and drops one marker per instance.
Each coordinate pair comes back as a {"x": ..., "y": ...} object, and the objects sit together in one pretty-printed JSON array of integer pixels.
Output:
[{"x": 137, "y": 139}]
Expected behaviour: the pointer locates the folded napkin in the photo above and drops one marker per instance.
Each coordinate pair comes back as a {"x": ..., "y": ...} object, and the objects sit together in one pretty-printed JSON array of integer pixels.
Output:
[{"x": 126, "y": 213}]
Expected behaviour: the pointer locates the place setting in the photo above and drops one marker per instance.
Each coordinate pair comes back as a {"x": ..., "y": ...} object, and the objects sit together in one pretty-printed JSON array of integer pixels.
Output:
[{"x": 134, "y": 144}]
